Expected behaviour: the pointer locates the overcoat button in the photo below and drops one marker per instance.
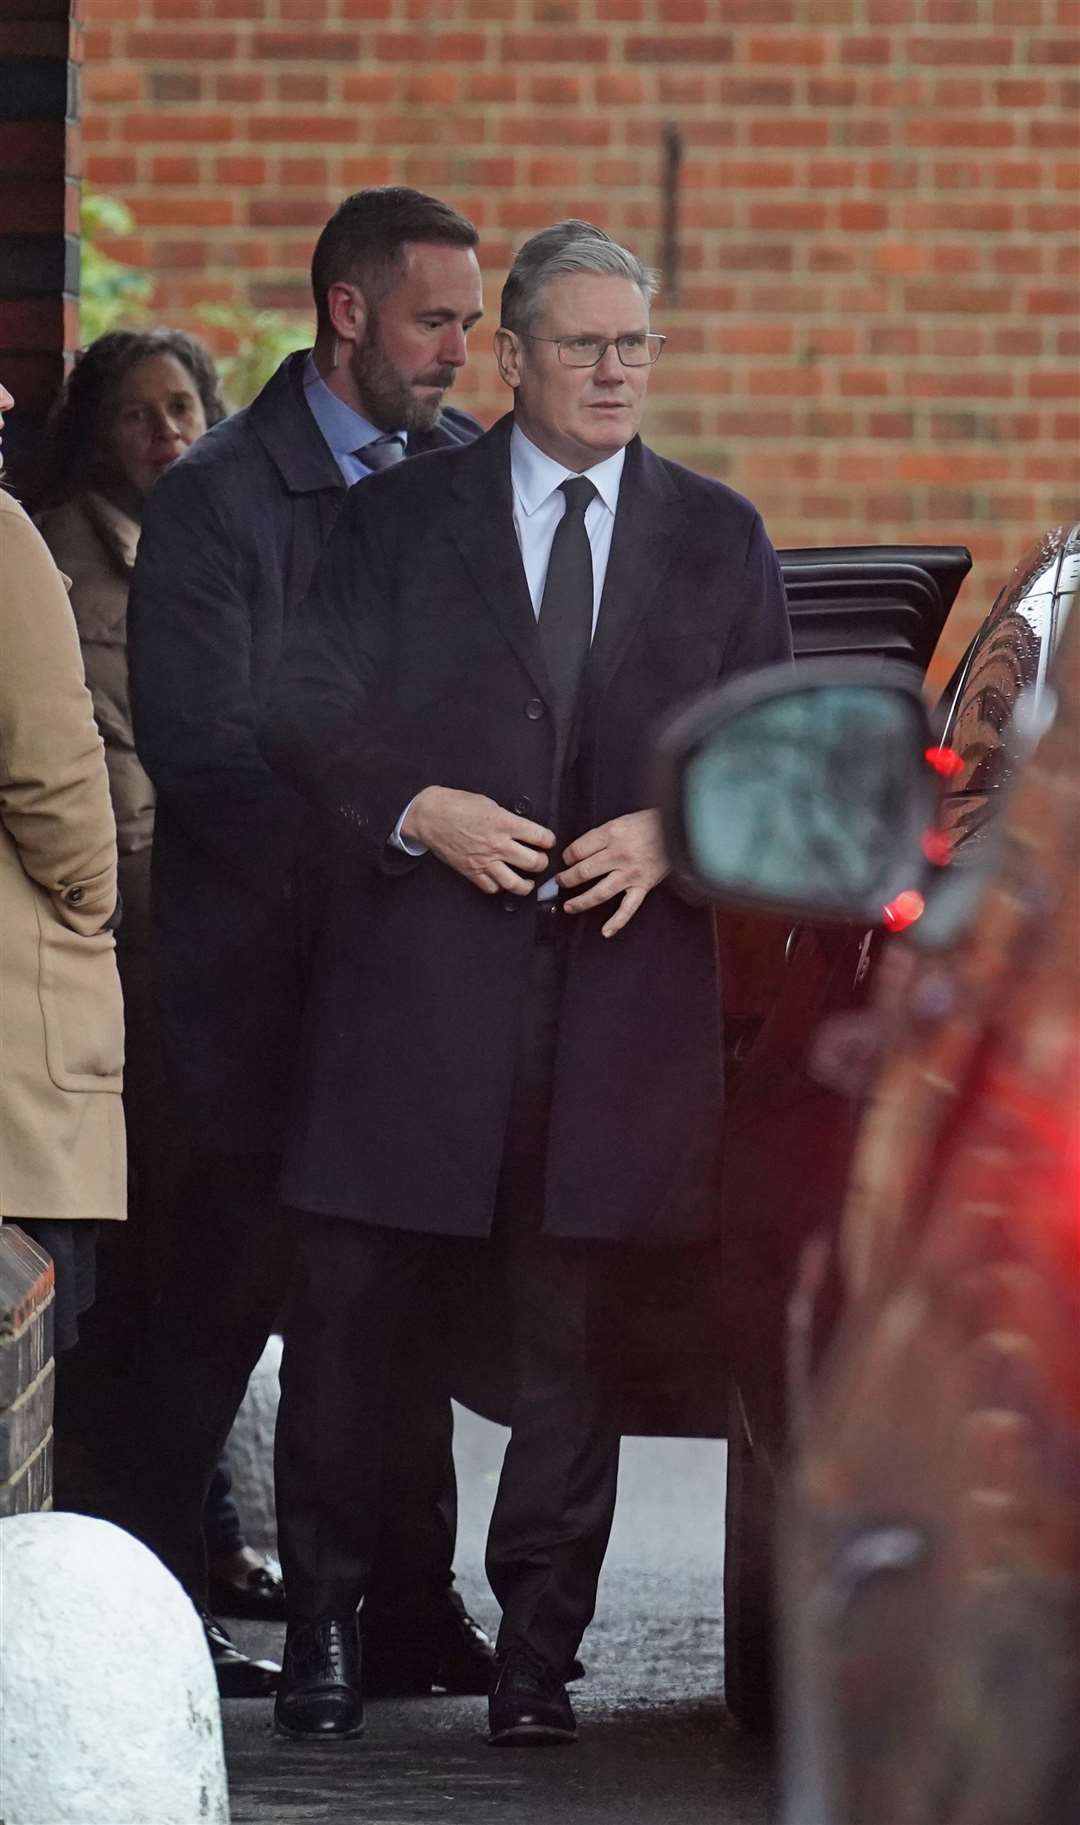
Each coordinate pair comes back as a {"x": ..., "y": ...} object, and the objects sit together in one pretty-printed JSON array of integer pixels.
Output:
[
  {"x": 534, "y": 709},
  {"x": 509, "y": 902},
  {"x": 523, "y": 807}
]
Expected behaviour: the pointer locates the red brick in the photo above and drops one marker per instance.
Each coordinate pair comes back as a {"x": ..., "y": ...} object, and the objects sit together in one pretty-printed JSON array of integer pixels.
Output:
[
  {"x": 982, "y": 51},
  {"x": 1054, "y": 135},
  {"x": 831, "y": 174},
  {"x": 970, "y": 132},
  {"x": 832, "y": 91},
  {"x": 1052, "y": 218},
  {"x": 953, "y": 12},
  {"x": 302, "y": 85},
  {"x": 752, "y": 339},
  {"x": 241, "y": 169},
  {"x": 899, "y": 426},
  {"x": 181, "y": 47},
  {"x": 1019, "y": 92},
  {"x": 108, "y": 170},
  {"x": 861, "y": 217},
  {"x": 287, "y": 211},
  {"x": 785, "y": 383},
  {"x": 173, "y": 169},
  {"x": 619, "y": 88},
  {"x": 789, "y": 130},
  {"x": 869, "y": 50},
  {"x": 492, "y": 85},
  {"x": 194, "y": 211},
  {"x": 680, "y": 49},
  {"x": 560, "y": 91},
  {"x": 755, "y": 91},
  {"x": 438, "y": 86},
  {"x": 1017, "y": 174},
  {"x": 102, "y": 84},
  {"x": 1053, "y": 302},
  {"x": 305, "y": 171},
  {"x": 957, "y": 216},
  {"x": 315, "y": 47},
  {"x": 196, "y": 127},
  {"x": 796, "y": 217},
  {"x": 368, "y": 86},
  {"x": 864, "y": 383},
  {"x": 800, "y": 51},
  {"x": 241, "y": 85},
  {"x": 830, "y": 339},
  {"x": 1056, "y": 52},
  {"x": 334, "y": 129}
]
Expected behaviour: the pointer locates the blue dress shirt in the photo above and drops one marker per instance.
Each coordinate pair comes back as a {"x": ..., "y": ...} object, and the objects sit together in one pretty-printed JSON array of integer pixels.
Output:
[{"x": 344, "y": 430}]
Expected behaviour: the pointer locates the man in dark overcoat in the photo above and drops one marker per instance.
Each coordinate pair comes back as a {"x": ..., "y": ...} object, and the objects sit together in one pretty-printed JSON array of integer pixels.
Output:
[
  {"x": 227, "y": 550},
  {"x": 513, "y": 1043}
]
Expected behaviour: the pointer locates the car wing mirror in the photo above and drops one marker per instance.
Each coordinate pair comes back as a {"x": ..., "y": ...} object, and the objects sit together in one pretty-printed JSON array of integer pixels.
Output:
[{"x": 815, "y": 790}]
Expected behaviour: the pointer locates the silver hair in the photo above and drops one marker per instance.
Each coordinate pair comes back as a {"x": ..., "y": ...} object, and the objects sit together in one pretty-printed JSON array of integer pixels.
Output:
[{"x": 547, "y": 257}]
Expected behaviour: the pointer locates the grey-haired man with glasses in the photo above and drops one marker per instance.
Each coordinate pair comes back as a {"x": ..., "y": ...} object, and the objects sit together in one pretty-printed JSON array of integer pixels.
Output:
[{"x": 469, "y": 694}]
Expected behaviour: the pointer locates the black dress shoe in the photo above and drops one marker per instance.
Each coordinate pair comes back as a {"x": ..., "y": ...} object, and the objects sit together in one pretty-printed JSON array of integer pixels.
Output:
[
  {"x": 237, "y": 1676},
  {"x": 255, "y": 1592},
  {"x": 319, "y": 1691},
  {"x": 448, "y": 1650},
  {"x": 529, "y": 1707},
  {"x": 464, "y": 1655}
]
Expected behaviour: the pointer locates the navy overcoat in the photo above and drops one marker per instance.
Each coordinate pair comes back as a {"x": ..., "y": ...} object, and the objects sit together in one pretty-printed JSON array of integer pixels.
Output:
[
  {"x": 230, "y": 538},
  {"x": 416, "y": 661}
]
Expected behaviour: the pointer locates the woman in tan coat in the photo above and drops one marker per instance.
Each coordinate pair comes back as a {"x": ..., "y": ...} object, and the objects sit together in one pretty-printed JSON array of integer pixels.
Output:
[{"x": 62, "y": 1155}]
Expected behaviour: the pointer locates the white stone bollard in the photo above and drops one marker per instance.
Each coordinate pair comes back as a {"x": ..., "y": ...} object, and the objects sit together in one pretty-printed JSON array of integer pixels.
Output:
[
  {"x": 109, "y": 1703},
  {"x": 251, "y": 1452}
]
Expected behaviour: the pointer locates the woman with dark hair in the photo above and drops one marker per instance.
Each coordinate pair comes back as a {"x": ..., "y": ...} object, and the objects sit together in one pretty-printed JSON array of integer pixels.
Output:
[{"x": 134, "y": 403}]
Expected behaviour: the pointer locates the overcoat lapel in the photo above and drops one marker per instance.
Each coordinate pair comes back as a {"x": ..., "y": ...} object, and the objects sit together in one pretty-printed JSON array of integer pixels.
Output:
[
  {"x": 488, "y": 544},
  {"x": 644, "y": 542}
]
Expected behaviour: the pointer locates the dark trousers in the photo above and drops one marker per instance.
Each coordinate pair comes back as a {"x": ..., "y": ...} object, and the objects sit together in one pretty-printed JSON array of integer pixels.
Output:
[
  {"x": 225, "y": 1289},
  {"x": 362, "y": 1293}
]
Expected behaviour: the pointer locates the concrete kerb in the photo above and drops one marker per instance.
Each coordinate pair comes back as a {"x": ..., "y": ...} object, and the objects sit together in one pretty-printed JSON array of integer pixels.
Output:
[{"x": 109, "y": 1703}]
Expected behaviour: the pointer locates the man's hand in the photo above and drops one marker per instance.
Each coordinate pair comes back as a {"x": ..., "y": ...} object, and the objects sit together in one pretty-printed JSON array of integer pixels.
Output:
[
  {"x": 477, "y": 838},
  {"x": 625, "y": 856}
]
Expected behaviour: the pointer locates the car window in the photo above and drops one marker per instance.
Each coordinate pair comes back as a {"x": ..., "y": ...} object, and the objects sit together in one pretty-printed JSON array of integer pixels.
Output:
[{"x": 1007, "y": 658}]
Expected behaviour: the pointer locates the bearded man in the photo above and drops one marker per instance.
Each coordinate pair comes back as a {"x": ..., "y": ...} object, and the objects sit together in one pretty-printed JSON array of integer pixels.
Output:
[{"x": 228, "y": 547}]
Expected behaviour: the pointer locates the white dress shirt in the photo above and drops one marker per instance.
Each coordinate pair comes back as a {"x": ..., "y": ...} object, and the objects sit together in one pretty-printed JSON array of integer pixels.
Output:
[
  {"x": 343, "y": 429},
  {"x": 535, "y": 480}
]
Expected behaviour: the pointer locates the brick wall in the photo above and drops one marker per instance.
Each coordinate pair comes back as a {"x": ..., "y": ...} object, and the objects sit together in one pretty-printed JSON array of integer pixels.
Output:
[
  {"x": 876, "y": 334},
  {"x": 40, "y": 49}
]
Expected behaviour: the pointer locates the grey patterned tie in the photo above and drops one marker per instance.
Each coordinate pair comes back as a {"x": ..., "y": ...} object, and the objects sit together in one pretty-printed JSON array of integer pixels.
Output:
[{"x": 382, "y": 452}]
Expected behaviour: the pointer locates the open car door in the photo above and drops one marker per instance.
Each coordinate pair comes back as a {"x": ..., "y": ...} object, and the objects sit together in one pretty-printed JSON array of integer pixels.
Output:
[{"x": 788, "y": 1137}]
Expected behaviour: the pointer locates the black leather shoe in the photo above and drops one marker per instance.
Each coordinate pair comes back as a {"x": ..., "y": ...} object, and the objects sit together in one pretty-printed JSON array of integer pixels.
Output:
[
  {"x": 447, "y": 1650},
  {"x": 529, "y": 1707},
  {"x": 237, "y": 1676},
  {"x": 319, "y": 1691},
  {"x": 248, "y": 1586},
  {"x": 464, "y": 1655}
]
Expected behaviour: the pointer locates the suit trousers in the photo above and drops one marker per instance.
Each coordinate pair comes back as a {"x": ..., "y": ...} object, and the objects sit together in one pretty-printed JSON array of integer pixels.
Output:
[
  {"x": 226, "y": 1288},
  {"x": 362, "y": 1291}
]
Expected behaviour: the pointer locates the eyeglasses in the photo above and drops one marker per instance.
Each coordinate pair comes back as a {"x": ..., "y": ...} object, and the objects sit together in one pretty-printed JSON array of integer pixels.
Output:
[{"x": 635, "y": 351}]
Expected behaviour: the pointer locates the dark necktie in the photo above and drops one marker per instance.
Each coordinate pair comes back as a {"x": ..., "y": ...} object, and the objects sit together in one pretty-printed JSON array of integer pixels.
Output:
[
  {"x": 382, "y": 452},
  {"x": 566, "y": 610}
]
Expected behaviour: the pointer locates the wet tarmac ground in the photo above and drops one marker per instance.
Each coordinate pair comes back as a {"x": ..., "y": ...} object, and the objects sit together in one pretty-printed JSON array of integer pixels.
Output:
[{"x": 656, "y": 1746}]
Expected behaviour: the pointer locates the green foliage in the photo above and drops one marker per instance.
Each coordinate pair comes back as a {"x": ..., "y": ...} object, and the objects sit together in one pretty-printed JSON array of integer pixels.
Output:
[
  {"x": 113, "y": 295},
  {"x": 117, "y": 296},
  {"x": 260, "y": 341}
]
